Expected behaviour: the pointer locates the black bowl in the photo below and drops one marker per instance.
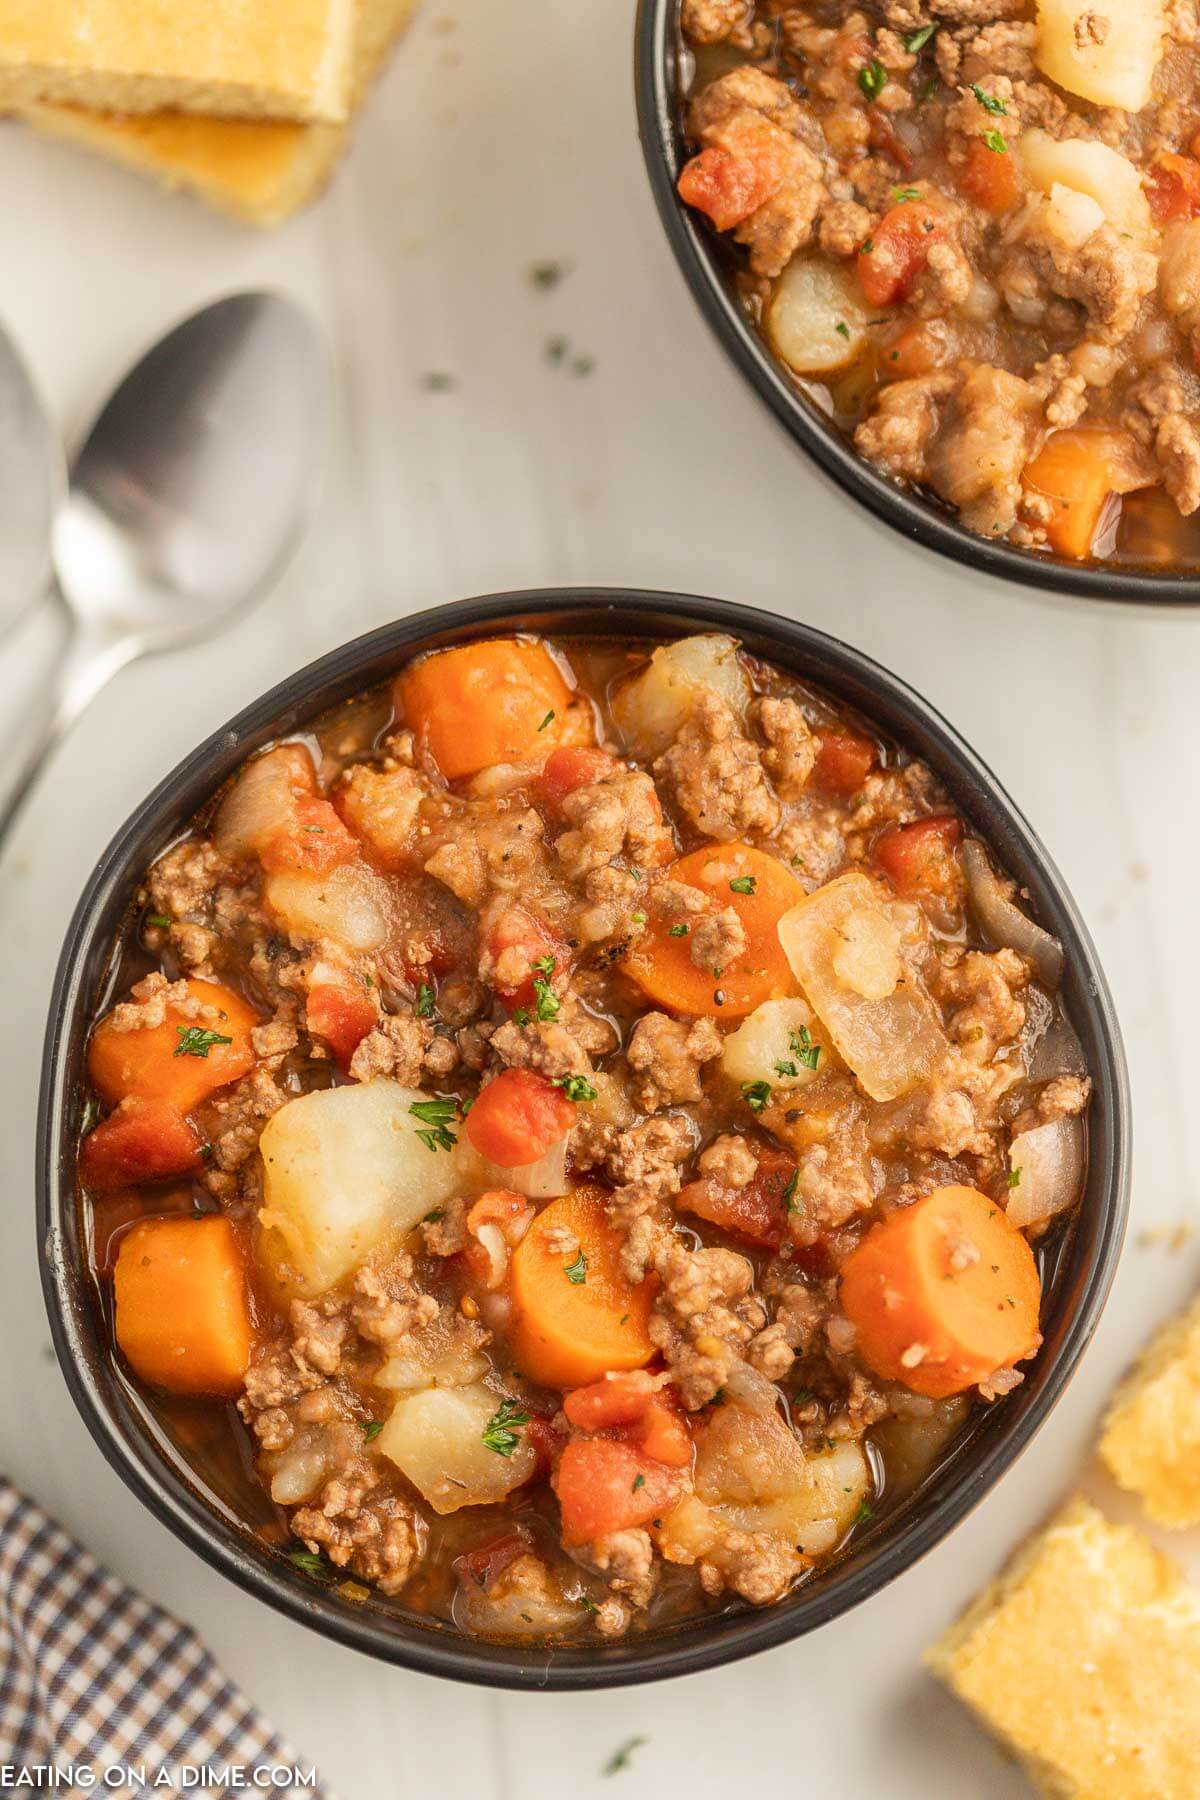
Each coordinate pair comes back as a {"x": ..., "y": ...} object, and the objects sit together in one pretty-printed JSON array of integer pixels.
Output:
[
  {"x": 710, "y": 262},
  {"x": 1078, "y": 1277}
]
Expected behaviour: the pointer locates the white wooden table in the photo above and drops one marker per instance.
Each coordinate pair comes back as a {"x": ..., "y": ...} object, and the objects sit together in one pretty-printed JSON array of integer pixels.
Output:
[{"x": 505, "y": 135}]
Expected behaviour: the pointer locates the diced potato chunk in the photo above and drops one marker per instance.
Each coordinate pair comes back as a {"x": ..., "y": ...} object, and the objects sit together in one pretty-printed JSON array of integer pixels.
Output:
[
  {"x": 780, "y": 1043},
  {"x": 892, "y": 1040},
  {"x": 438, "y": 1355},
  {"x": 650, "y": 709},
  {"x": 868, "y": 961},
  {"x": 1086, "y": 166},
  {"x": 262, "y": 799},
  {"x": 436, "y": 1440},
  {"x": 1113, "y": 62},
  {"x": 817, "y": 319},
  {"x": 345, "y": 1176},
  {"x": 351, "y": 905},
  {"x": 754, "y": 1475}
]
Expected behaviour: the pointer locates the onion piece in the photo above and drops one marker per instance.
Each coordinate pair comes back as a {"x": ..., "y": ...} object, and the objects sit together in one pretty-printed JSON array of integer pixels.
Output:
[
  {"x": 1047, "y": 1164},
  {"x": 1003, "y": 920},
  {"x": 544, "y": 1179},
  {"x": 1059, "y": 1052}
]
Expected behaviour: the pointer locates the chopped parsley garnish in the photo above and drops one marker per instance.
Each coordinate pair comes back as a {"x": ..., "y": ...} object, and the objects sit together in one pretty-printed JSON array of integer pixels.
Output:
[
  {"x": 843, "y": 330},
  {"x": 639, "y": 1481},
  {"x": 800, "y": 1043},
  {"x": 743, "y": 884},
  {"x": 425, "y": 998},
  {"x": 864, "y": 1514},
  {"x": 636, "y": 873},
  {"x": 372, "y": 1429},
  {"x": 988, "y": 101},
  {"x": 637, "y": 918},
  {"x": 543, "y": 965},
  {"x": 756, "y": 1094},
  {"x": 872, "y": 79},
  {"x": 1014, "y": 1178},
  {"x": 546, "y": 720},
  {"x": 620, "y": 1758},
  {"x": 917, "y": 40},
  {"x": 502, "y": 1433},
  {"x": 678, "y": 931},
  {"x": 310, "y": 1561},
  {"x": 576, "y": 1272},
  {"x": 787, "y": 1070},
  {"x": 436, "y": 1116},
  {"x": 905, "y": 193},
  {"x": 522, "y": 1016},
  {"x": 159, "y": 919},
  {"x": 586, "y": 1605},
  {"x": 546, "y": 998},
  {"x": 789, "y": 1192},
  {"x": 995, "y": 140},
  {"x": 197, "y": 1040},
  {"x": 575, "y": 1087}
]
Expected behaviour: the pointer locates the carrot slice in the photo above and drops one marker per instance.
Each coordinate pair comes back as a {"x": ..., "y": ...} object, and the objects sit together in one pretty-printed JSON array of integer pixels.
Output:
[
  {"x": 143, "y": 1140},
  {"x": 518, "y": 1117},
  {"x": 183, "y": 1319},
  {"x": 943, "y": 1293},
  {"x": 1079, "y": 471},
  {"x": 604, "y": 1485},
  {"x": 180, "y": 1061},
  {"x": 574, "y": 1320},
  {"x": 497, "y": 702},
  {"x": 760, "y": 890}
]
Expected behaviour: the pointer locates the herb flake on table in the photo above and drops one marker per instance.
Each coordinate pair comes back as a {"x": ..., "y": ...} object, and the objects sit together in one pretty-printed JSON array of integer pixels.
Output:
[
  {"x": 622, "y": 1756},
  {"x": 548, "y": 274},
  {"x": 437, "y": 381},
  {"x": 197, "y": 1040}
]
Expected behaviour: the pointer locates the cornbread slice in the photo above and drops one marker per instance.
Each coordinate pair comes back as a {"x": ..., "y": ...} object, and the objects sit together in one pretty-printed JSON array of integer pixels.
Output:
[
  {"x": 1151, "y": 1438},
  {"x": 261, "y": 171},
  {"x": 262, "y": 59},
  {"x": 1084, "y": 1660}
]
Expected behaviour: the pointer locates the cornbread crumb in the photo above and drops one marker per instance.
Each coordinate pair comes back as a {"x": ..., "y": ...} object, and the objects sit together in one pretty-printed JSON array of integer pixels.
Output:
[
  {"x": 1151, "y": 1438},
  {"x": 1083, "y": 1658}
]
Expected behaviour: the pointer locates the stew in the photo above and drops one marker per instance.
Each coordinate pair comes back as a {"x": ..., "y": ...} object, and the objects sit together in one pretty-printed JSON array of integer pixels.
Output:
[
  {"x": 573, "y": 1136},
  {"x": 971, "y": 229}
]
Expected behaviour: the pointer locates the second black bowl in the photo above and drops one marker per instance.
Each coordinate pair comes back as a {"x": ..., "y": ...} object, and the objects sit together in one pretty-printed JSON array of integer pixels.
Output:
[
  {"x": 1078, "y": 1277},
  {"x": 709, "y": 264}
]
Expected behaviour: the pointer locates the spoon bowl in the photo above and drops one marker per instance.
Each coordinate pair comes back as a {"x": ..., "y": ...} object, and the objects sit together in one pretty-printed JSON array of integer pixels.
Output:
[{"x": 187, "y": 499}]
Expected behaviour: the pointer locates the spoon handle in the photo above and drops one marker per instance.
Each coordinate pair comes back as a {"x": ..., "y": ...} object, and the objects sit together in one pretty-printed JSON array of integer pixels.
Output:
[{"x": 85, "y": 660}]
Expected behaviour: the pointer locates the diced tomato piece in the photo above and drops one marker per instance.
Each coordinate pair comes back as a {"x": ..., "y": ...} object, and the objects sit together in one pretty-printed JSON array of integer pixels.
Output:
[
  {"x": 729, "y": 185},
  {"x": 897, "y": 250},
  {"x": 518, "y": 1117},
  {"x": 663, "y": 1434},
  {"x": 480, "y": 1567},
  {"x": 342, "y": 1016},
  {"x": 617, "y": 1400},
  {"x": 990, "y": 178},
  {"x": 918, "y": 858},
  {"x": 315, "y": 840},
  {"x": 844, "y": 760},
  {"x": 604, "y": 1486},
  {"x": 546, "y": 1439},
  {"x": 513, "y": 942},
  {"x": 574, "y": 766},
  {"x": 143, "y": 1140},
  {"x": 1173, "y": 187},
  {"x": 757, "y": 1212}
]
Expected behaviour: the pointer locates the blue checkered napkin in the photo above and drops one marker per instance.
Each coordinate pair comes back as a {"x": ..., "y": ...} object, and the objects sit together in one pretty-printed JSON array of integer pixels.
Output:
[{"x": 93, "y": 1677}]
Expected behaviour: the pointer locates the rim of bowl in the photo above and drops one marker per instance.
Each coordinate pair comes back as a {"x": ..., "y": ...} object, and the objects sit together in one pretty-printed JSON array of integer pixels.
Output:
[
  {"x": 705, "y": 263},
  {"x": 123, "y": 1428}
]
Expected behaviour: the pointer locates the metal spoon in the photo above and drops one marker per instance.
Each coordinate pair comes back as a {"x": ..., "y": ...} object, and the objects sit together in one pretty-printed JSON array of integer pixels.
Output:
[
  {"x": 33, "y": 477},
  {"x": 187, "y": 499}
]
